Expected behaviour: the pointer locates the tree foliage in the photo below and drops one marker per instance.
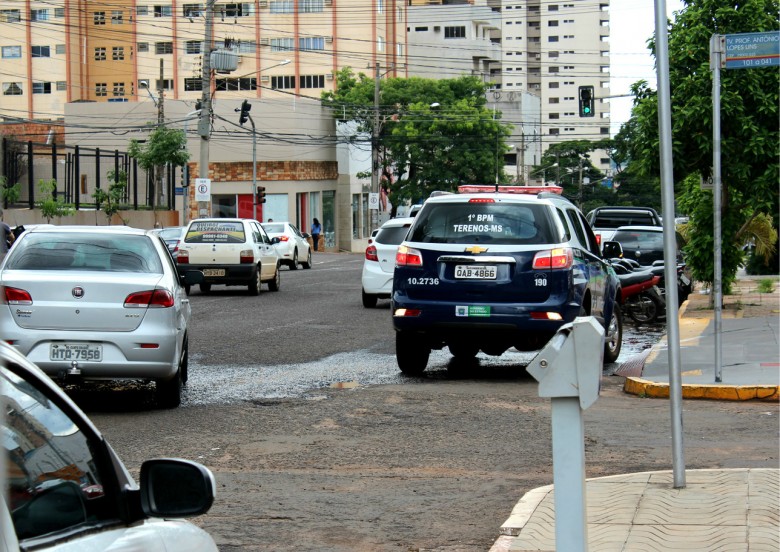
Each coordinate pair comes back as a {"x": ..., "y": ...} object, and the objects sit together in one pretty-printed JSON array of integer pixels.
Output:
[
  {"x": 749, "y": 134},
  {"x": 50, "y": 206},
  {"x": 109, "y": 200},
  {"x": 433, "y": 134}
]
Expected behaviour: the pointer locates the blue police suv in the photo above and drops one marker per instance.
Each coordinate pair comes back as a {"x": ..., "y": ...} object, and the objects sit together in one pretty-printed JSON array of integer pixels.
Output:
[{"x": 486, "y": 271}]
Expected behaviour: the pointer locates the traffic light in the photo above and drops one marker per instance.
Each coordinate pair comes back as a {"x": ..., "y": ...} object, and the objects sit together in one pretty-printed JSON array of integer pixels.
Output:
[
  {"x": 586, "y": 101},
  {"x": 260, "y": 194},
  {"x": 245, "y": 107}
]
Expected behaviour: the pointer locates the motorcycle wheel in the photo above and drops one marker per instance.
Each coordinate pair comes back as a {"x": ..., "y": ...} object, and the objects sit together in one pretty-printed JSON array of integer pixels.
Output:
[{"x": 644, "y": 309}]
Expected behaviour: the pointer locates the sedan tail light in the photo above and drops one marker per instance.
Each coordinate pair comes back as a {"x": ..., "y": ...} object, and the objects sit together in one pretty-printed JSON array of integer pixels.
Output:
[
  {"x": 247, "y": 257},
  {"x": 554, "y": 259},
  {"x": 408, "y": 256},
  {"x": 16, "y": 296},
  {"x": 371, "y": 254},
  {"x": 153, "y": 298},
  {"x": 183, "y": 257}
]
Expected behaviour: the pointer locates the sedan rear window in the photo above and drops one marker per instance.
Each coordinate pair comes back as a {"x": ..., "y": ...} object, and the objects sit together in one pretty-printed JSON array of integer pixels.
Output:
[
  {"x": 76, "y": 251},
  {"x": 392, "y": 235},
  {"x": 274, "y": 228},
  {"x": 498, "y": 223},
  {"x": 215, "y": 232}
]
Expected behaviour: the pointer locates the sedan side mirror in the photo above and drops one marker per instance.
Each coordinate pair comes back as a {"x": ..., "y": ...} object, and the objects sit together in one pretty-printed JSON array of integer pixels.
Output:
[
  {"x": 172, "y": 487},
  {"x": 275, "y": 240},
  {"x": 612, "y": 249}
]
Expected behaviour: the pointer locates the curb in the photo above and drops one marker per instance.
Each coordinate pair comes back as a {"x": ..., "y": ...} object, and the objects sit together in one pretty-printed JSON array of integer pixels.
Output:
[{"x": 646, "y": 388}]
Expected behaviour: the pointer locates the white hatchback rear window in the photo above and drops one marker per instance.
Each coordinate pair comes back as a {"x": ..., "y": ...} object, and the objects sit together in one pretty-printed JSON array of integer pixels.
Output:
[{"x": 215, "y": 232}]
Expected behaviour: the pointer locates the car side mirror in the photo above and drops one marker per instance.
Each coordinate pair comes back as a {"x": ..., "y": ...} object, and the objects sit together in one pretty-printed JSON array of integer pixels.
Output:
[
  {"x": 172, "y": 487},
  {"x": 306, "y": 235},
  {"x": 611, "y": 249},
  {"x": 275, "y": 240}
]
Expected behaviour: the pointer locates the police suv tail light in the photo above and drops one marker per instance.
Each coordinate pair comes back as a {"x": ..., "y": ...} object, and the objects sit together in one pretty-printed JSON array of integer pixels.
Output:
[
  {"x": 246, "y": 256},
  {"x": 371, "y": 254},
  {"x": 407, "y": 313},
  {"x": 183, "y": 257},
  {"x": 554, "y": 259},
  {"x": 408, "y": 256}
]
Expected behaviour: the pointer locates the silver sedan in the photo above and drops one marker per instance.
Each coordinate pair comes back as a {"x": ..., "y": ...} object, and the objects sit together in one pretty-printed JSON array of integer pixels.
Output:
[{"x": 88, "y": 303}]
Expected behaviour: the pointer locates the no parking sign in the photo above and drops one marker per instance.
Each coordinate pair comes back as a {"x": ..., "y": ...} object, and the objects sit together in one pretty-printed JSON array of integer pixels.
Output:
[{"x": 202, "y": 189}]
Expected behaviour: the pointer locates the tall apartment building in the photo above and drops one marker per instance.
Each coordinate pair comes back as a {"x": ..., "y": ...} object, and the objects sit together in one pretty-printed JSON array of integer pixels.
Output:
[
  {"x": 59, "y": 51},
  {"x": 548, "y": 49}
]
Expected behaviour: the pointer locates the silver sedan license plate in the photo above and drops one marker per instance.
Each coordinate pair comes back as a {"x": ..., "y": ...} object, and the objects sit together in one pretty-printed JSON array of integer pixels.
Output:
[
  {"x": 76, "y": 351},
  {"x": 213, "y": 272},
  {"x": 475, "y": 272}
]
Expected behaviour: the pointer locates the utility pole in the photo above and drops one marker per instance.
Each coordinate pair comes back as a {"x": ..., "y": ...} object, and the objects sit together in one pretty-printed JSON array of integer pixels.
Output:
[
  {"x": 521, "y": 178},
  {"x": 204, "y": 126},
  {"x": 579, "y": 161},
  {"x": 160, "y": 124},
  {"x": 375, "y": 145}
]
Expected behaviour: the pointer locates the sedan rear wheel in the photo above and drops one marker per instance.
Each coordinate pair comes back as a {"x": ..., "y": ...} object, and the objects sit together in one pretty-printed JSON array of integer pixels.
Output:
[
  {"x": 168, "y": 393},
  {"x": 254, "y": 285},
  {"x": 294, "y": 265},
  {"x": 411, "y": 353},
  {"x": 276, "y": 283}
]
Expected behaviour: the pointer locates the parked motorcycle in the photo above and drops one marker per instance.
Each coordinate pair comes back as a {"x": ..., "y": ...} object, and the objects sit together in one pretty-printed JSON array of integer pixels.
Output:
[{"x": 641, "y": 298}]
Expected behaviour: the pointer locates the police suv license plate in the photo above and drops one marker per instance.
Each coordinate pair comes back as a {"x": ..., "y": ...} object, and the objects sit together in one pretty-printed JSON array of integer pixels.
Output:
[
  {"x": 475, "y": 272},
  {"x": 213, "y": 272},
  {"x": 76, "y": 351}
]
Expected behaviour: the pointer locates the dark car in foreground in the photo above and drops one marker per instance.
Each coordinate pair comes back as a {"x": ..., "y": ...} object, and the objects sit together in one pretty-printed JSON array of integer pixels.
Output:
[{"x": 490, "y": 271}]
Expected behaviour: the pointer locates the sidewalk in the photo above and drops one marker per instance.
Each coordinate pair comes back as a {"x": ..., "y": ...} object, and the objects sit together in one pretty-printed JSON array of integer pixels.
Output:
[{"x": 718, "y": 510}]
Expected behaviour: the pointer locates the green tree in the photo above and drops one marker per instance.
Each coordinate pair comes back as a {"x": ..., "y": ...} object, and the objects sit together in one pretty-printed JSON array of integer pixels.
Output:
[
  {"x": 9, "y": 194},
  {"x": 164, "y": 146},
  {"x": 749, "y": 134},
  {"x": 561, "y": 164},
  {"x": 433, "y": 134},
  {"x": 110, "y": 201},
  {"x": 50, "y": 206}
]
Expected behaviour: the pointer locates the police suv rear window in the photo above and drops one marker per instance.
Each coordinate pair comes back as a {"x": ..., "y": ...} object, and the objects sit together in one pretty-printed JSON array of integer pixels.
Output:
[
  {"x": 215, "y": 232},
  {"x": 497, "y": 223}
]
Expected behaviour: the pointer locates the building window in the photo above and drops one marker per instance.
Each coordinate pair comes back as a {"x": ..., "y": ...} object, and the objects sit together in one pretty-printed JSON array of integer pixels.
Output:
[
  {"x": 569, "y": 129},
  {"x": 287, "y": 81},
  {"x": 99, "y": 18},
  {"x": 552, "y": 23},
  {"x": 192, "y": 46},
  {"x": 167, "y": 84},
  {"x": 193, "y": 84},
  {"x": 282, "y": 44},
  {"x": 553, "y": 69},
  {"x": 239, "y": 10},
  {"x": 100, "y": 54},
  {"x": 312, "y": 81},
  {"x": 163, "y": 11},
  {"x": 142, "y": 10},
  {"x": 247, "y": 47},
  {"x": 192, "y": 10},
  {"x": 552, "y": 39},
  {"x": 12, "y": 89},
  {"x": 552, "y": 54},
  {"x": 554, "y": 116},
  {"x": 41, "y": 51},
  {"x": 552, "y": 85},
  {"x": 119, "y": 89},
  {"x": 281, "y": 6},
  {"x": 39, "y": 15},
  {"x": 143, "y": 46},
  {"x": 554, "y": 100},
  {"x": 59, "y": 12},
  {"x": 101, "y": 89},
  {"x": 163, "y": 48},
  {"x": 313, "y": 6},
  {"x": 568, "y": 67},
  {"x": 554, "y": 132},
  {"x": 236, "y": 84},
  {"x": 604, "y": 130},
  {"x": 421, "y": 29},
  {"x": 41, "y": 88},
  {"x": 568, "y": 36},
  {"x": 311, "y": 43},
  {"x": 380, "y": 44},
  {"x": 552, "y": 7},
  {"x": 116, "y": 17},
  {"x": 59, "y": 49},
  {"x": 10, "y": 52},
  {"x": 399, "y": 49},
  {"x": 455, "y": 32},
  {"x": 380, "y": 6},
  {"x": 118, "y": 53},
  {"x": 9, "y": 16},
  {"x": 62, "y": 86}
]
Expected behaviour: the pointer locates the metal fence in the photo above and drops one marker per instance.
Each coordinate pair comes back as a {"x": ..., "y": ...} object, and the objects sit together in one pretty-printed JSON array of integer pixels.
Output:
[{"x": 79, "y": 172}]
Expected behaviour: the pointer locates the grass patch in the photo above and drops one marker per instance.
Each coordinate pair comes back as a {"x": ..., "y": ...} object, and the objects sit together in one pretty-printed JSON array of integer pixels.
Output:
[{"x": 766, "y": 285}]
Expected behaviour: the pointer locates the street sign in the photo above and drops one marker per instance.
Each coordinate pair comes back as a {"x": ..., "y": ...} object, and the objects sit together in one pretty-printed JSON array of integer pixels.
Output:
[
  {"x": 373, "y": 201},
  {"x": 202, "y": 189},
  {"x": 750, "y": 50}
]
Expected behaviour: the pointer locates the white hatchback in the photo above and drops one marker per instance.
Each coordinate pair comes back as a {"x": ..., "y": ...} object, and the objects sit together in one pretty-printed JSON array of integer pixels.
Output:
[{"x": 379, "y": 263}]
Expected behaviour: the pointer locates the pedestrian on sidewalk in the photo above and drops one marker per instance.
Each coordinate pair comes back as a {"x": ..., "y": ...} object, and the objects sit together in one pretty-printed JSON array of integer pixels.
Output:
[{"x": 316, "y": 230}]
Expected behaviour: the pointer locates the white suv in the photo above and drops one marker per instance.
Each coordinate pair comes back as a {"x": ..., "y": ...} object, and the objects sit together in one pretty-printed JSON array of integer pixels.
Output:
[{"x": 231, "y": 252}]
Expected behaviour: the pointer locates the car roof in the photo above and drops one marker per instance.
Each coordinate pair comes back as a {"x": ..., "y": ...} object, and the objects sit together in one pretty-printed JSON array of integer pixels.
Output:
[
  {"x": 399, "y": 221},
  {"x": 84, "y": 228}
]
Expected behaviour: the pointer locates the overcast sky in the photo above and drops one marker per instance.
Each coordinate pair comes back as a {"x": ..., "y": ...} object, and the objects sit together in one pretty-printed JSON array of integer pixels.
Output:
[{"x": 632, "y": 23}]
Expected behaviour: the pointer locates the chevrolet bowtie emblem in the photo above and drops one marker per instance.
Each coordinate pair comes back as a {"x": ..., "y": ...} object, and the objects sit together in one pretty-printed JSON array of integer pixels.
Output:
[{"x": 475, "y": 249}]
